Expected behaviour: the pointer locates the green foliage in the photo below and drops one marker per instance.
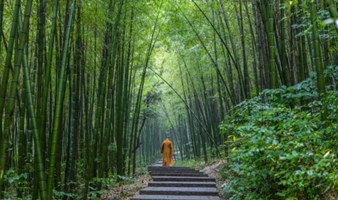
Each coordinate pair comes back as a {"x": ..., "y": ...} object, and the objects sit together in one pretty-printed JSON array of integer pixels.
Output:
[
  {"x": 13, "y": 177},
  {"x": 103, "y": 185},
  {"x": 197, "y": 164},
  {"x": 127, "y": 180},
  {"x": 305, "y": 90},
  {"x": 283, "y": 152},
  {"x": 16, "y": 181},
  {"x": 60, "y": 195}
]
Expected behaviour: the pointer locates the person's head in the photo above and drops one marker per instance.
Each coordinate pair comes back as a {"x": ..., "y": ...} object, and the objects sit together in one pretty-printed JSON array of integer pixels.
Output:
[{"x": 167, "y": 135}]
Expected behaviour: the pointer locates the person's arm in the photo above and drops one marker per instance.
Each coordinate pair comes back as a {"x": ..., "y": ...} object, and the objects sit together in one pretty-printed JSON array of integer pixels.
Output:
[
  {"x": 162, "y": 146},
  {"x": 172, "y": 149}
]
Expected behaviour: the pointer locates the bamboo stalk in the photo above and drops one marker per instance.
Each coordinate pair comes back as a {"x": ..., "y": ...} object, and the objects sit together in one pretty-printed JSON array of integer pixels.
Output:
[
  {"x": 272, "y": 43},
  {"x": 135, "y": 122},
  {"x": 8, "y": 61},
  {"x": 36, "y": 134},
  {"x": 57, "y": 112},
  {"x": 318, "y": 57},
  {"x": 2, "y": 6}
]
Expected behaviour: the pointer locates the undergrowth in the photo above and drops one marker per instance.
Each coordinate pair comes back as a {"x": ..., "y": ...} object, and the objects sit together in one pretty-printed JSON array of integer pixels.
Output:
[{"x": 282, "y": 147}]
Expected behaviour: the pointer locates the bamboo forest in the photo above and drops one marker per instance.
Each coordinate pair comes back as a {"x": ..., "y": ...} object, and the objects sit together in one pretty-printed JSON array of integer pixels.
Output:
[{"x": 246, "y": 90}]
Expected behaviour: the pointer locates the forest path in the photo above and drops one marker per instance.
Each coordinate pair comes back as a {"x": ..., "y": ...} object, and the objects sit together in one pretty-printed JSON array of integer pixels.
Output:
[{"x": 178, "y": 183}]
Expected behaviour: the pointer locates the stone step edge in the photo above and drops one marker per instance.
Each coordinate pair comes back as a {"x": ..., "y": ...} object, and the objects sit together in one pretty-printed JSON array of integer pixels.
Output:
[
  {"x": 181, "y": 184},
  {"x": 183, "y": 178},
  {"x": 174, "y": 197}
]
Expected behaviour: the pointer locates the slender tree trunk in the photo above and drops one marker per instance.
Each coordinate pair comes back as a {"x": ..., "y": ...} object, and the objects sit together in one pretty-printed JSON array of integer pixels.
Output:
[
  {"x": 2, "y": 6},
  {"x": 254, "y": 49},
  {"x": 272, "y": 43},
  {"x": 42, "y": 115},
  {"x": 134, "y": 127},
  {"x": 318, "y": 56},
  {"x": 57, "y": 112},
  {"x": 22, "y": 138},
  {"x": 22, "y": 42},
  {"x": 8, "y": 63}
]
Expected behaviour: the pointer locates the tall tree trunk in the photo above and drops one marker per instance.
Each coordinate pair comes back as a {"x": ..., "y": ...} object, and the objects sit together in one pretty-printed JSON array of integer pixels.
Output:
[
  {"x": 58, "y": 107},
  {"x": 318, "y": 55},
  {"x": 245, "y": 63},
  {"x": 22, "y": 42},
  {"x": 2, "y": 6},
  {"x": 8, "y": 63},
  {"x": 272, "y": 42}
]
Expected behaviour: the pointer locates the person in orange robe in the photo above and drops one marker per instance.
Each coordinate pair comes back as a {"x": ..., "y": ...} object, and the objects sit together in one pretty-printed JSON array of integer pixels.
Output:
[{"x": 167, "y": 150}]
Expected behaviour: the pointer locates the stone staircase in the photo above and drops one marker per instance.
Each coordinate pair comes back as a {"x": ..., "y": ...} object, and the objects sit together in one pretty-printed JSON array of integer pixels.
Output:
[{"x": 178, "y": 183}]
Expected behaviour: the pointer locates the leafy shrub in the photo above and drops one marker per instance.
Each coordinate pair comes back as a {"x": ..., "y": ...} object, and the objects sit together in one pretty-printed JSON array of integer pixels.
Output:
[
  {"x": 278, "y": 151},
  {"x": 16, "y": 181}
]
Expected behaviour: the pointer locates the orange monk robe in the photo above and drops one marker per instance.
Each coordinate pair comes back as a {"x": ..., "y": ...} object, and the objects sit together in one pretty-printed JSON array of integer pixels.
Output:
[{"x": 167, "y": 150}]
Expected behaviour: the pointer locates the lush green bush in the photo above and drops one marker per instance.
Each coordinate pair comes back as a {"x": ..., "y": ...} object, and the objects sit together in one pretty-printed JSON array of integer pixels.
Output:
[
  {"x": 18, "y": 182},
  {"x": 280, "y": 148}
]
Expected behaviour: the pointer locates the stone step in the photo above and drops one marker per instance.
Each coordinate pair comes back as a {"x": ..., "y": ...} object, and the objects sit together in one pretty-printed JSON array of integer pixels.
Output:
[
  {"x": 157, "y": 165},
  {"x": 176, "y": 172},
  {"x": 196, "y": 191},
  {"x": 180, "y": 174},
  {"x": 183, "y": 179},
  {"x": 174, "y": 197},
  {"x": 179, "y": 169},
  {"x": 161, "y": 168},
  {"x": 180, "y": 184},
  {"x": 173, "y": 170}
]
